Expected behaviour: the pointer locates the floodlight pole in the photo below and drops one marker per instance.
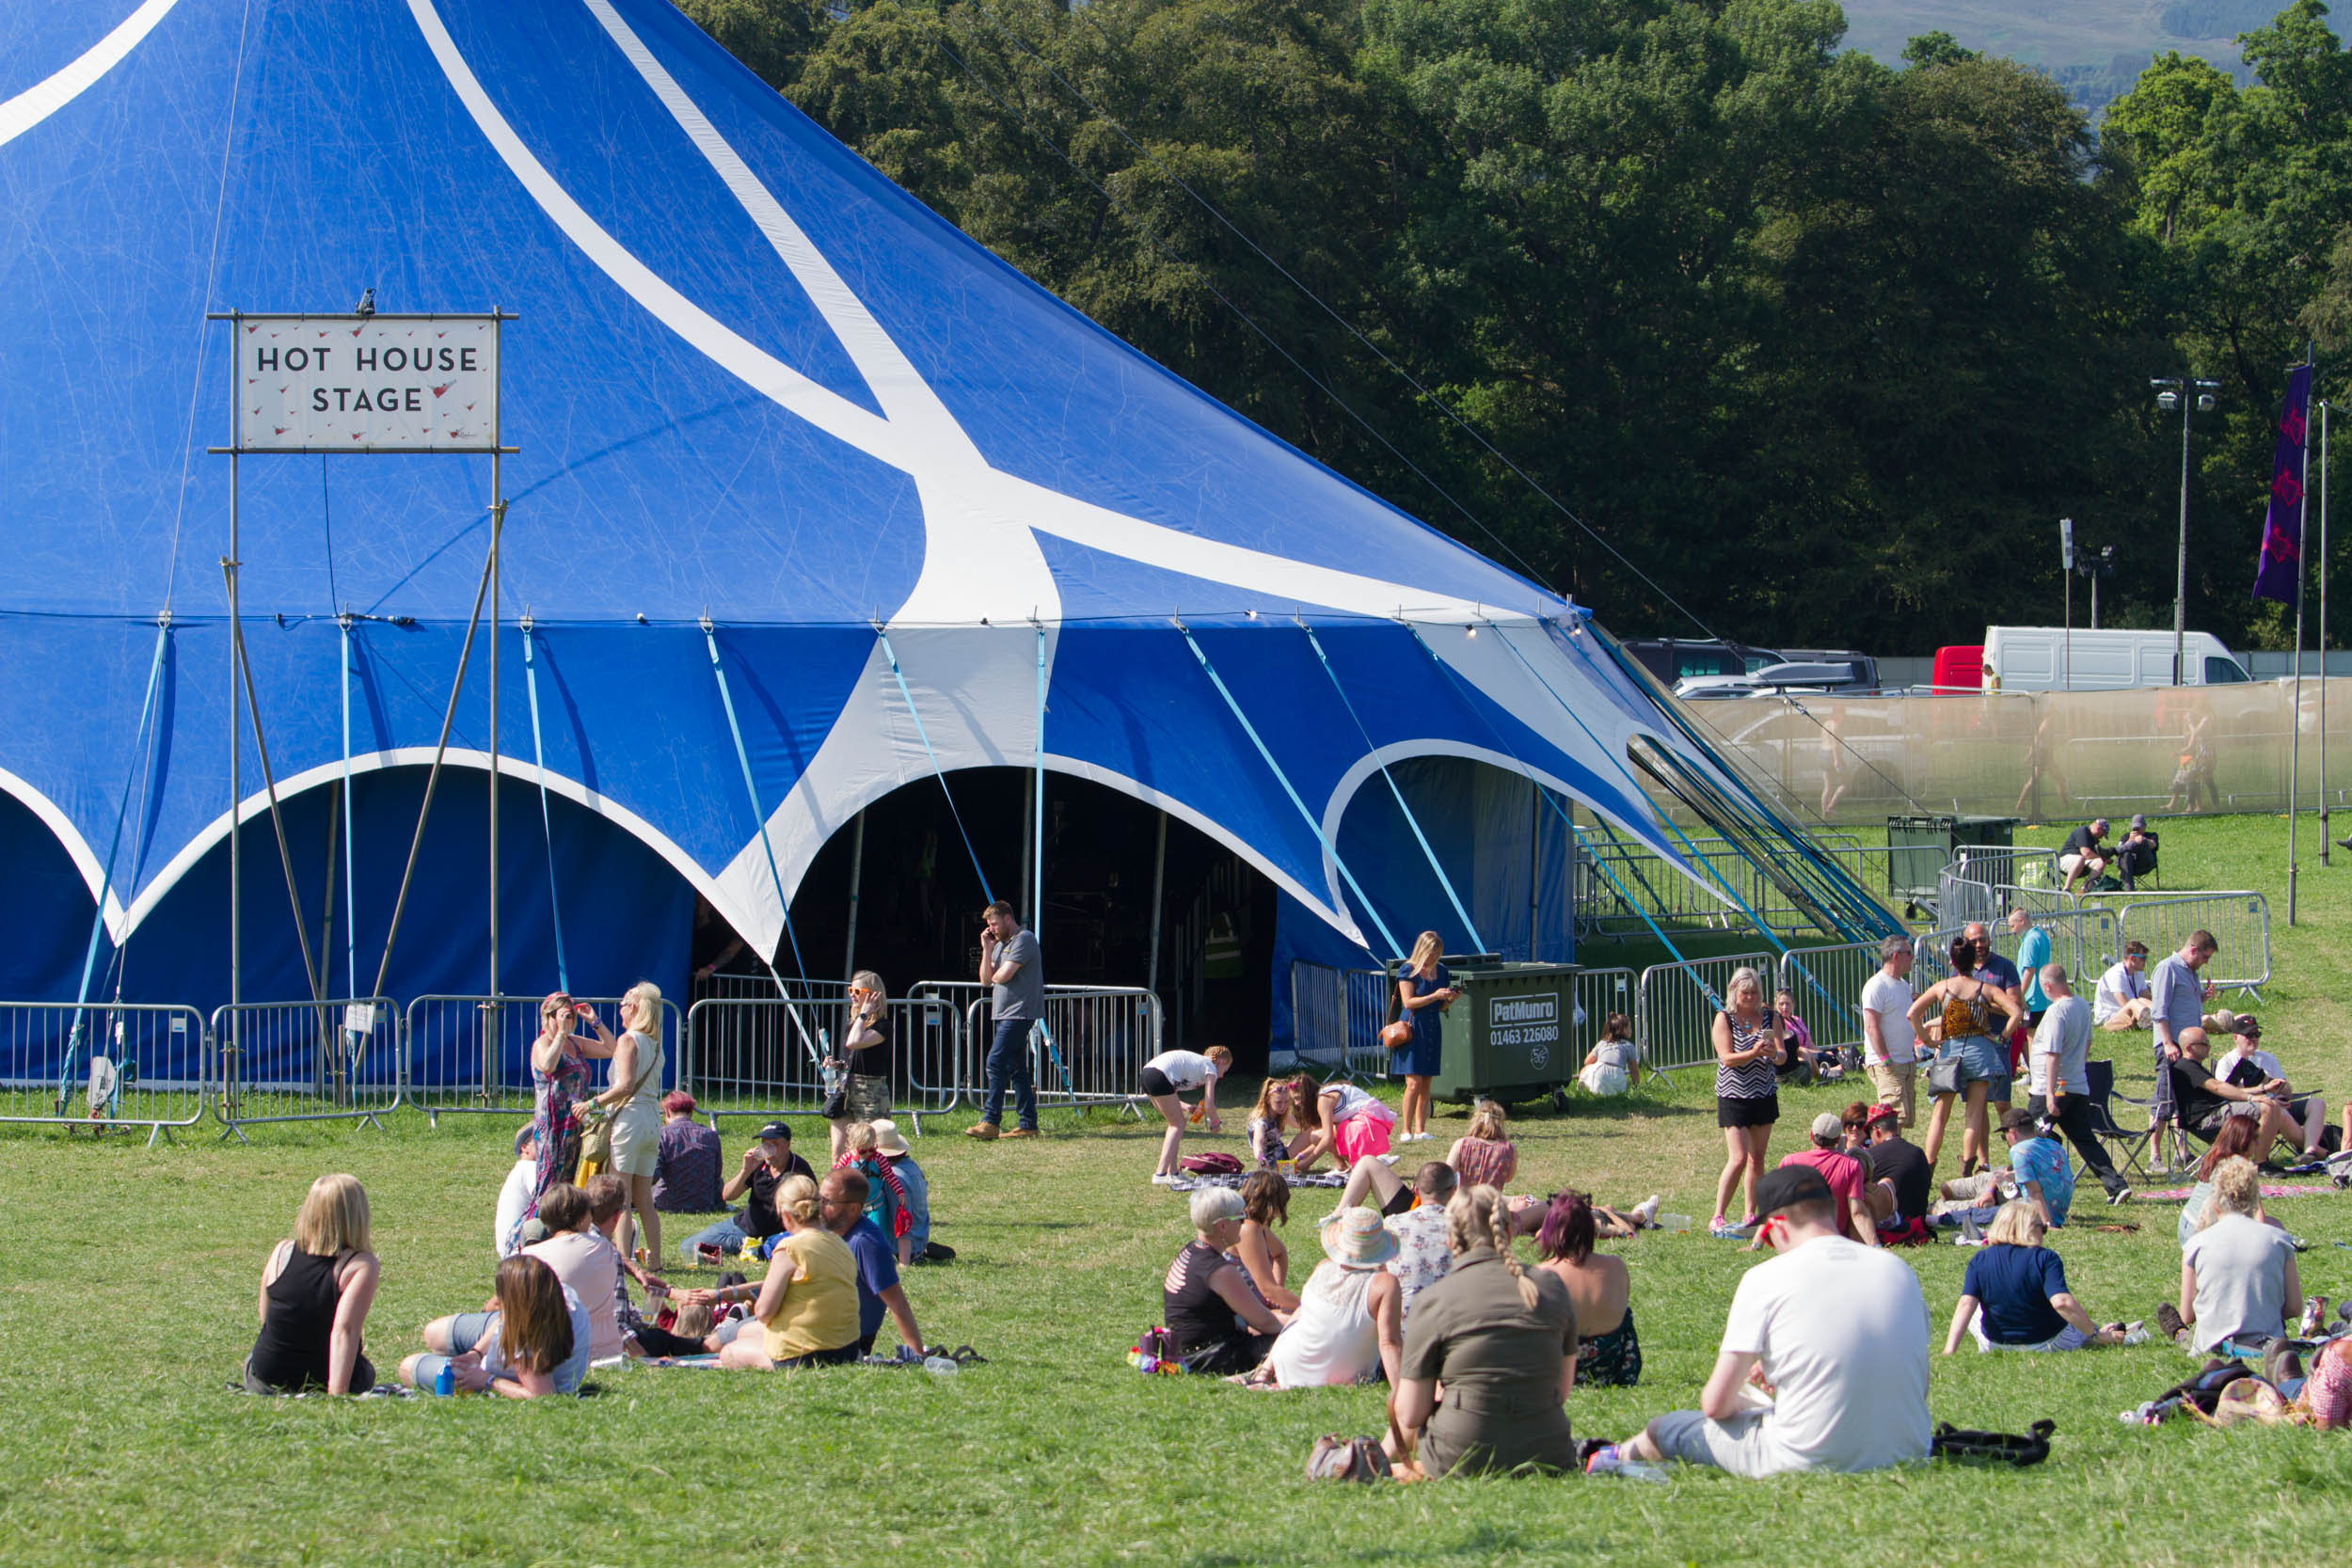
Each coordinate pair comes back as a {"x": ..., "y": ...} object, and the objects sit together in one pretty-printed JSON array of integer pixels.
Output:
[
  {"x": 2294, "y": 717},
  {"x": 2180, "y": 578}
]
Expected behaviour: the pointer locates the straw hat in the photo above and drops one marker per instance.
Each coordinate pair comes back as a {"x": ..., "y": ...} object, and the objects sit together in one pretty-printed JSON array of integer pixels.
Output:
[
  {"x": 889, "y": 1140},
  {"x": 1355, "y": 1238}
]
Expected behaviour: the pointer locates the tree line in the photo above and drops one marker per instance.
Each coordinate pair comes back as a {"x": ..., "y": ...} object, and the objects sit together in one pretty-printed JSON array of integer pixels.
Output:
[{"x": 1740, "y": 329}]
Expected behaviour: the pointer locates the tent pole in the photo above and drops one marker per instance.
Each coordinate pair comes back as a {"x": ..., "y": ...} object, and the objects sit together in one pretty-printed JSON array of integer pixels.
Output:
[
  {"x": 1535, "y": 866},
  {"x": 1159, "y": 888},
  {"x": 1037, "y": 867},
  {"x": 351, "y": 938},
  {"x": 1028, "y": 837},
  {"x": 236, "y": 741},
  {"x": 498, "y": 520},
  {"x": 857, "y": 872},
  {"x": 2323, "y": 411}
]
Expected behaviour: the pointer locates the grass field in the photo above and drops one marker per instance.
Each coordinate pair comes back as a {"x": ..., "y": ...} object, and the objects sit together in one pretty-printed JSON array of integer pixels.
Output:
[{"x": 128, "y": 1280}]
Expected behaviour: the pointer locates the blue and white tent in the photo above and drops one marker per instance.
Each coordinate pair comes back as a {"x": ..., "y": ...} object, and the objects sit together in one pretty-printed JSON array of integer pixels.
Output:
[{"x": 754, "y": 386}]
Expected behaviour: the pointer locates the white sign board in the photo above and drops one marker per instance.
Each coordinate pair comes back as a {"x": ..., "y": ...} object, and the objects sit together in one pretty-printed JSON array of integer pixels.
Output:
[{"x": 367, "y": 383}]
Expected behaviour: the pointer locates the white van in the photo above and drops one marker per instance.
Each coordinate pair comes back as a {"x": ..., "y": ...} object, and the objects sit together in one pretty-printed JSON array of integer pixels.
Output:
[{"x": 2044, "y": 659}]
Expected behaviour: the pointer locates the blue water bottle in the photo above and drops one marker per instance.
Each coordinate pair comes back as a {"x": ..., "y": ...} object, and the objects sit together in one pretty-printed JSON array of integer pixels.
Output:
[{"x": 445, "y": 1381}]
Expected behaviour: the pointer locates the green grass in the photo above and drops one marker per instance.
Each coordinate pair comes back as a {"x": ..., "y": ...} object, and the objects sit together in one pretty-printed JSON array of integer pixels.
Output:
[{"x": 128, "y": 1280}]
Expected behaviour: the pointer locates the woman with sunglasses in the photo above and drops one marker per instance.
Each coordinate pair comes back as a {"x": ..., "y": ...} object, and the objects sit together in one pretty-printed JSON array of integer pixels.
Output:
[{"x": 559, "y": 1081}]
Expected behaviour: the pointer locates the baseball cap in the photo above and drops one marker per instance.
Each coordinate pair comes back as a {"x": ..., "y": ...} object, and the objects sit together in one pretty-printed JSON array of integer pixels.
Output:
[
  {"x": 2012, "y": 1120},
  {"x": 2245, "y": 1023},
  {"x": 1787, "y": 1187},
  {"x": 1882, "y": 1113},
  {"x": 2139, "y": 819},
  {"x": 780, "y": 1131},
  {"x": 1829, "y": 1125}
]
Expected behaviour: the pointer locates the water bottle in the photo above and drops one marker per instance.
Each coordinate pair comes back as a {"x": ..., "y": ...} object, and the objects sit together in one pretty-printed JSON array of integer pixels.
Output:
[
  {"x": 1610, "y": 1461},
  {"x": 2136, "y": 1335},
  {"x": 939, "y": 1365},
  {"x": 1674, "y": 1223},
  {"x": 445, "y": 1381}
]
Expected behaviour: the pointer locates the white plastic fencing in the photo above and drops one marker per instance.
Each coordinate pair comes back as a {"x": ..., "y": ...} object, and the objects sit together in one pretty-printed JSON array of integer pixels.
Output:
[
  {"x": 308, "y": 1061},
  {"x": 748, "y": 1057},
  {"x": 157, "y": 1066}
]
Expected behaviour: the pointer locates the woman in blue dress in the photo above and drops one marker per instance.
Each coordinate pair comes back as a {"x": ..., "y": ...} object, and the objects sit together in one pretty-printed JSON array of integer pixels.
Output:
[{"x": 1424, "y": 991}]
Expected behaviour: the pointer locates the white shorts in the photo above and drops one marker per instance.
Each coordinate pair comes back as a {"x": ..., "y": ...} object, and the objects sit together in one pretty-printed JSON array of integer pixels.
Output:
[{"x": 636, "y": 1141}]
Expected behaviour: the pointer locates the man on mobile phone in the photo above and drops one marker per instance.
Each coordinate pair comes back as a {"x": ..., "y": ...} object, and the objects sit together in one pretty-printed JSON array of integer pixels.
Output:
[{"x": 1009, "y": 964}]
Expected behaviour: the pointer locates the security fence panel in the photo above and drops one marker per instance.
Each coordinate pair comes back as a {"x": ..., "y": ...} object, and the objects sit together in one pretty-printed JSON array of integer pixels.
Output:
[
  {"x": 750, "y": 1055},
  {"x": 1598, "y": 993},
  {"x": 1677, "y": 1004},
  {"x": 1092, "y": 1042},
  {"x": 1825, "y": 985},
  {"x": 1336, "y": 1016},
  {"x": 104, "y": 1065},
  {"x": 308, "y": 1061},
  {"x": 473, "y": 1053},
  {"x": 2240, "y": 922}
]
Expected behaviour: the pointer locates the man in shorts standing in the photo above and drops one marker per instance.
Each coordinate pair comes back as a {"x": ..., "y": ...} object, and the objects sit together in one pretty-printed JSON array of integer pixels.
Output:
[{"x": 1890, "y": 1051}]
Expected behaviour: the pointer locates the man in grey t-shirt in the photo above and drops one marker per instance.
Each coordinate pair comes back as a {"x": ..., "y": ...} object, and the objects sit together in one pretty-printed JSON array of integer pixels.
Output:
[
  {"x": 2059, "y": 1064},
  {"x": 1010, "y": 964}
]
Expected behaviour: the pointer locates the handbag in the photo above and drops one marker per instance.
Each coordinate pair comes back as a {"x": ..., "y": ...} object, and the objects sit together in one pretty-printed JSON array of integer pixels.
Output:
[
  {"x": 1397, "y": 1036},
  {"x": 1943, "y": 1075},
  {"x": 836, "y": 1103}
]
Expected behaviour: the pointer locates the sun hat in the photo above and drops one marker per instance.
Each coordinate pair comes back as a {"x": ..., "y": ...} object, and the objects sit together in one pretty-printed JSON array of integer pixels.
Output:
[
  {"x": 1829, "y": 1124},
  {"x": 1356, "y": 1238},
  {"x": 889, "y": 1140}
]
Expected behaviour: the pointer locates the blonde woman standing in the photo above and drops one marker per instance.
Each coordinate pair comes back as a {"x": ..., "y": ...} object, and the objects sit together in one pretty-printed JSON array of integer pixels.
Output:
[
  {"x": 316, "y": 1290},
  {"x": 865, "y": 1053},
  {"x": 634, "y": 1097},
  {"x": 1748, "y": 1048},
  {"x": 1424, "y": 990}
]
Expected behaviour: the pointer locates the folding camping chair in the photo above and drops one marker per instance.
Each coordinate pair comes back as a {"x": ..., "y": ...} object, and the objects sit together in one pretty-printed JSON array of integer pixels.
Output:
[{"x": 2124, "y": 1147}]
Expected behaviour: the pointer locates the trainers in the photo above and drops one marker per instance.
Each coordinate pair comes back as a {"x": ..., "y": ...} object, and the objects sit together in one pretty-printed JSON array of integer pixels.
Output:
[
  {"x": 2168, "y": 1319},
  {"x": 1022, "y": 1132},
  {"x": 1162, "y": 1178},
  {"x": 984, "y": 1130},
  {"x": 1645, "y": 1213},
  {"x": 2118, "y": 1196}
]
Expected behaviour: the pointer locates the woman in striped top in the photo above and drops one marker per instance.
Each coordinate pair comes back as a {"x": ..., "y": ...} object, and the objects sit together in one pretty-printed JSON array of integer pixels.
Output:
[{"x": 1748, "y": 1048}]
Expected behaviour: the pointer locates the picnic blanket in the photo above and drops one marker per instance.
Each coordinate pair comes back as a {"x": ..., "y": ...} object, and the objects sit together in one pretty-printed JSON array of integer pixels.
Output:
[{"x": 1314, "y": 1178}]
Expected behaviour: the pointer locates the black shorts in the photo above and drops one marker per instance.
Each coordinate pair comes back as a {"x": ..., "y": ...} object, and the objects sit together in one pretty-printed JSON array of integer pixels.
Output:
[
  {"x": 1737, "y": 1112},
  {"x": 1401, "y": 1201},
  {"x": 1154, "y": 1082}
]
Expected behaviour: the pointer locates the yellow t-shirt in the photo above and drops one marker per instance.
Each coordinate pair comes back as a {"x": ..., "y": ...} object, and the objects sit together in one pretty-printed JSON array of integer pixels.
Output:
[{"x": 819, "y": 1310}]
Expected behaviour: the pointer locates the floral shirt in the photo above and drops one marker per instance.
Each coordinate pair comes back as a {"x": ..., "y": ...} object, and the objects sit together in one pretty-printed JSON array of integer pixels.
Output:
[{"x": 1423, "y": 1257}]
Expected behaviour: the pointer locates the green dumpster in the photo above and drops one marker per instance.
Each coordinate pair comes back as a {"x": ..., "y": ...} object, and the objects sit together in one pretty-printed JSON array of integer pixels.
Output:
[{"x": 1512, "y": 1035}]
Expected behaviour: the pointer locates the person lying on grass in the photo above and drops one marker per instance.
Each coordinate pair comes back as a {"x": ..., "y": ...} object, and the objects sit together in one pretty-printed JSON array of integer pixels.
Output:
[
  {"x": 1825, "y": 1359},
  {"x": 531, "y": 1341},
  {"x": 316, "y": 1290},
  {"x": 2014, "y": 1294},
  {"x": 1500, "y": 1339}
]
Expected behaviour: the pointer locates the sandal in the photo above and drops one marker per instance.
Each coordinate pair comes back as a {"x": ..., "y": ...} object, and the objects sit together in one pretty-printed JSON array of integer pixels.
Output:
[{"x": 964, "y": 1356}]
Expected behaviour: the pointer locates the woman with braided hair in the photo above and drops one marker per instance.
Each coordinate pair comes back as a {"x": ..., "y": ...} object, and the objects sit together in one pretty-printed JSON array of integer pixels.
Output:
[{"x": 1501, "y": 1338}]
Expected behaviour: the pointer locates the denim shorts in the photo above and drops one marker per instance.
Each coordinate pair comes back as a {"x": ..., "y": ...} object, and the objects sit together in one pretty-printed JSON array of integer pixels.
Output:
[
  {"x": 466, "y": 1331},
  {"x": 1983, "y": 1058}
]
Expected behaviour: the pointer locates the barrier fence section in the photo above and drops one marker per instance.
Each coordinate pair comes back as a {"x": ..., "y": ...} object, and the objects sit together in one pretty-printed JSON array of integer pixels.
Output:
[
  {"x": 744, "y": 1056},
  {"x": 2239, "y": 921},
  {"x": 1825, "y": 983},
  {"x": 308, "y": 1061},
  {"x": 1596, "y": 993},
  {"x": 1959, "y": 898},
  {"x": 156, "y": 1067},
  {"x": 1095, "y": 1041},
  {"x": 473, "y": 1053},
  {"x": 1336, "y": 1016},
  {"x": 1677, "y": 1003}
]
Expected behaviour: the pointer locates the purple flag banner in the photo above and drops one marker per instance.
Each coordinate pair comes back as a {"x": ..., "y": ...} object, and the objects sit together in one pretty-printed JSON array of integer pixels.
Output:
[{"x": 2279, "y": 575}]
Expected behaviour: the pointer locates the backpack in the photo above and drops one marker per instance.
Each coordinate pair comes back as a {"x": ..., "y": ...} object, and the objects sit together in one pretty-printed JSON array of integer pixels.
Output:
[
  {"x": 1215, "y": 1163},
  {"x": 1337, "y": 1458},
  {"x": 1993, "y": 1447}
]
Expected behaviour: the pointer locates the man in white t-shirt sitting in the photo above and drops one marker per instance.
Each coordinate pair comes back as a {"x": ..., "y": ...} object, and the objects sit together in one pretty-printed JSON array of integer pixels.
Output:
[
  {"x": 2119, "y": 1001},
  {"x": 1889, "y": 1049},
  {"x": 1824, "y": 1359},
  {"x": 522, "y": 1184}
]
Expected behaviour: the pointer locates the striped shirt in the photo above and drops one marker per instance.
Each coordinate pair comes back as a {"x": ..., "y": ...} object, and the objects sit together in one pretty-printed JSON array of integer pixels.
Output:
[{"x": 1754, "y": 1080}]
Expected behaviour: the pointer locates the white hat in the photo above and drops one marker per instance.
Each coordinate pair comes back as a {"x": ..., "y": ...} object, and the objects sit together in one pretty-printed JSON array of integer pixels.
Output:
[{"x": 888, "y": 1139}]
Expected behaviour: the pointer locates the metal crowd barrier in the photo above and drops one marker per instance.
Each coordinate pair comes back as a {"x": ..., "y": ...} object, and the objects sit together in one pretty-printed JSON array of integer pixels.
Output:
[
  {"x": 1825, "y": 983},
  {"x": 1094, "y": 1041},
  {"x": 746, "y": 1056},
  {"x": 473, "y": 1053},
  {"x": 308, "y": 1061},
  {"x": 158, "y": 1070},
  {"x": 1676, "y": 1007},
  {"x": 1336, "y": 1016},
  {"x": 2240, "y": 921}
]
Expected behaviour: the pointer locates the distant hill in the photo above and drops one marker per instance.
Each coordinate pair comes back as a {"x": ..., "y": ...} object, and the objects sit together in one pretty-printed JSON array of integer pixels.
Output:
[{"x": 2095, "y": 48}]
